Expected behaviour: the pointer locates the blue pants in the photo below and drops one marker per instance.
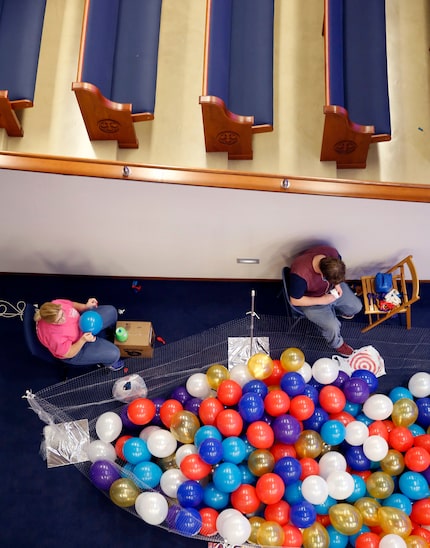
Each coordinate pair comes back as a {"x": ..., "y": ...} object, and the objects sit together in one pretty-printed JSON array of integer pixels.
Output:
[
  {"x": 325, "y": 316},
  {"x": 101, "y": 350}
]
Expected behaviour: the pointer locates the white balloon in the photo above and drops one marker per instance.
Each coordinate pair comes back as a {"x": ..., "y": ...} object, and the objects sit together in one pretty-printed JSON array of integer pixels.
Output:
[
  {"x": 108, "y": 426},
  {"x": 171, "y": 480},
  {"x": 356, "y": 432},
  {"x": 144, "y": 433},
  {"x": 198, "y": 386},
  {"x": 375, "y": 448},
  {"x": 305, "y": 371},
  {"x": 240, "y": 374},
  {"x": 325, "y": 370},
  {"x": 378, "y": 407},
  {"x": 152, "y": 507},
  {"x": 340, "y": 484},
  {"x": 161, "y": 443},
  {"x": 330, "y": 462},
  {"x": 419, "y": 384},
  {"x": 314, "y": 489},
  {"x": 183, "y": 451},
  {"x": 101, "y": 450},
  {"x": 233, "y": 526},
  {"x": 392, "y": 541}
]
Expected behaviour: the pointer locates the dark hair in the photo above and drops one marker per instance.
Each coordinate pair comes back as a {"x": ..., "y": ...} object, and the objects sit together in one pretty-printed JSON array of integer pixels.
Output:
[{"x": 333, "y": 270}]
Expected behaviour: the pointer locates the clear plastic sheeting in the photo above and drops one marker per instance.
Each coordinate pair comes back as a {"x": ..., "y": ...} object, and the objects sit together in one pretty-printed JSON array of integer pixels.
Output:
[
  {"x": 239, "y": 349},
  {"x": 66, "y": 443}
]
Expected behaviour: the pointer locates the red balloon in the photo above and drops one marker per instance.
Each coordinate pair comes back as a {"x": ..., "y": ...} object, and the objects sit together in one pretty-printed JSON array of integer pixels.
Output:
[
  {"x": 302, "y": 407},
  {"x": 367, "y": 540},
  {"x": 421, "y": 512},
  {"x": 270, "y": 488},
  {"x": 209, "y": 517},
  {"x": 280, "y": 450},
  {"x": 245, "y": 499},
  {"x": 168, "y": 409},
  {"x": 293, "y": 536},
  {"x": 332, "y": 399},
  {"x": 310, "y": 467},
  {"x": 209, "y": 409},
  {"x": 422, "y": 532},
  {"x": 417, "y": 459},
  {"x": 277, "y": 373},
  {"x": 379, "y": 428},
  {"x": 141, "y": 411},
  {"x": 277, "y": 402},
  {"x": 279, "y": 512},
  {"x": 194, "y": 467},
  {"x": 324, "y": 519},
  {"x": 343, "y": 416},
  {"x": 260, "y": 435},
  {"x": 119, "y": 444},
  {"x": 401, "y": 438},
  {"x": 423, "y": 440},
  {"x": 229, "y": 422},
  {"x": 229, "y": 392}
]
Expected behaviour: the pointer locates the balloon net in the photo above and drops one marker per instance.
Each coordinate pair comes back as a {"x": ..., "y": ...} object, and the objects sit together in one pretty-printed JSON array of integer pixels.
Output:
[{"x": 92, "y": 413}]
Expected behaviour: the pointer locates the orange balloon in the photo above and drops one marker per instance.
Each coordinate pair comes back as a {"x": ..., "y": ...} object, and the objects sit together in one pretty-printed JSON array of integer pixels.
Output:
[
  {"x": 245, "y": 499},
  {"x": 209, "y": 517},
  {"x": 276, "y": 403},
  {"x": 270, "y": 488},
  {"x": 168, "y": 409},
  {"x": 417, "y": 459},
  {"x": 141, "y": 411},
  {"x": 260, "y": 435},
  {"x": 209, "y": 409},
  {"x": 229, "y": 422},
  {"x": 229, "y": 392},
  {"x": 332, "y": 399},
  {"x": 302, "y": 407},
  {"x": 280, "y": 450}
]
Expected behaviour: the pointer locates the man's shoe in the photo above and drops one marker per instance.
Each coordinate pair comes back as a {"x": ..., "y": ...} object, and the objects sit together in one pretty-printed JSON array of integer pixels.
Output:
[
  {"x": 345, "y": 317},
  {"x": 345, "y": 350},
  {"x": 117, "y": 366}
]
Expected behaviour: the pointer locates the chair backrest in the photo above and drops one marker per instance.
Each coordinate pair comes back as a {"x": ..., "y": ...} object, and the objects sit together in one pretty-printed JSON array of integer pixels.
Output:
[
  {"x": 292, "y": 310},
  {"x": 34, "y": 346},
  {"x": 405, "y": 272}
]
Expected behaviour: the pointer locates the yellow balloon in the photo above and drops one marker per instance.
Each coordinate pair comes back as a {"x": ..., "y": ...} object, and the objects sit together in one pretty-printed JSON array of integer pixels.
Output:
[
  {"x": 261, "y": 461},
  {"x": 316, "y": 536},
  {"x": 395, "y": 521},
  {"x": 393, "y": 463},
  {"x": 368, "y": 508},
  {"x": 216, "y": 374},
  {"x": 256, "y": 522},
  {"x": 309, "y": 444},
  {"x": 292, "y": 359},
  {"x": 184, "y": 425},
  {"x": 345, "y": 518},
  {"x": 405, "y": 412},
  {"x": 270, "y": 533},
  {"x": 260, "y": 366},
  {"x": 123, "y": 492},
  {"x": 414, "y": 541},
  {"x": 380, "y": 485}
]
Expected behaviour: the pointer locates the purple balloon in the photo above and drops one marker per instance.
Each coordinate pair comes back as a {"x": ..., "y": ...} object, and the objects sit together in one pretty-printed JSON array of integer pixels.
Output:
[
  {"x": 103, "y": 473},
  {"x": 286, "y": 429},
  {"x": 193, "y": 405},
  {"x": 342, "y": 377},
  {"x": 181, "y": 394},
  {"x": 356, "y": 390},
  {"x": 158, "y": 402},
  {"x": 126, "y": 421}
]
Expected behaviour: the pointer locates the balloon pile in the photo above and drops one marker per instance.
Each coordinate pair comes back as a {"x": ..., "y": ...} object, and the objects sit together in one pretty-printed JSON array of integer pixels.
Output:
[{"x": 275, "y": 453}]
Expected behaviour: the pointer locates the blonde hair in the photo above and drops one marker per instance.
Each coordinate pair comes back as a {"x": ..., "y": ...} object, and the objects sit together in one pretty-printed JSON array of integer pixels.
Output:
[{"x": 47, "y": 312}]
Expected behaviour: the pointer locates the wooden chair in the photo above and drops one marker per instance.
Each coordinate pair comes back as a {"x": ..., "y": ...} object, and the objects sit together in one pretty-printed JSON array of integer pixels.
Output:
[{"x": 405, "y": 281}]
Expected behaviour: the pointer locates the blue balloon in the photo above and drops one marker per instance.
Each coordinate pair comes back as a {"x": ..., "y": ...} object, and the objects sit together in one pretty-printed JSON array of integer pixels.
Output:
[
  {"x": 91, "y": 322},
  {"x": 251, "y": 407},
  {"x": 423, "y": 418},
  {"x": 227, "y": 477},
  {"x": 188, "y": 521},
  {"x": 400, "y": 392},
  {"x": 135, "y": 450},
  {"x": 414, "y": 485},
  {"x": 323, "y": 509},
  {"x": 293, "y": 493},
  {"x": 359, "y": 489},
  {"x": 368, "y": 376},
  {"x": 352, "y": 408},
  {"x": 190, "y": 494},
  {"x": 397, "y": 500},
  {"x": 204, "y": 432},
  {"x": 292, "y": 383},
  {"x": 234, "y": 449},
  {"x": 337, "y": 540},
  {"x": 356, "y": 459},
  {"x": 312, "y": 393},
  {"x": 333, "y": 432},
  {"x": 214, "y": 498},
  {"x": 255, "y": 386},
  {"x": 147, "y": 475},
  {"x": 289, "y": 469},
  {"x": 247, "y": 476},
  {"x": 211, "y": 451},
  {"x": 303, "y": 514},
  {"x": 318, "y": 418},
  {"x": 416, "y": 429}
]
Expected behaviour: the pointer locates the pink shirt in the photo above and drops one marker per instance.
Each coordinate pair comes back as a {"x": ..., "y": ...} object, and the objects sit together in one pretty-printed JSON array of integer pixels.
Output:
[{"x": 58, "y": 338}]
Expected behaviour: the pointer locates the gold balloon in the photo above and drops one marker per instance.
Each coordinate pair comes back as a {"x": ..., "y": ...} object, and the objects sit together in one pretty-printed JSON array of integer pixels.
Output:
[
  {"x": 260, "y": 366},
  {"x": 405, "y": 412},
  {"x": 316, "y": 536},
  {"x": 216, "y": 374},
  {"x": 380, "y": 485},
  {"x": 256, "y": 523},
  {"x": 368, "y": 508},
  {"x": 123, "y": 492},
  {"x": 292, "y": 359},
  {"x": 184, "y": 425},
  {"x": 393, "y": 463},
  {"x": 345, "y": 518},
  {"x": 395, "y": 521},
  {"x": 309, "y": 444},
  {"x": 165, "y": 463},
  {"x": 261, "y": 461},
  {"x": 270, "y": 533},
  {"x": 414, "y": 541}
]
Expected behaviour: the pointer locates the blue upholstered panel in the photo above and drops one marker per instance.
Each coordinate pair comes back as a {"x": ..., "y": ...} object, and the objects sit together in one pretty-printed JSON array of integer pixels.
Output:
[
  {"x": 136, "y": 55},
  {"x": 251, "y": 66},
  {"x": 365, "y": 62},
  {"x": 21, "y": 25},
  {"x": 219, "y": 49},
  {"x": 335, "y": 52},
  {"x": 100, "y": 44}
]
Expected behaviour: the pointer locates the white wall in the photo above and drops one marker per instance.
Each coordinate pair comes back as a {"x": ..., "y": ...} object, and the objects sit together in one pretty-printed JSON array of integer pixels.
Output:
[{"x": 80, "y": 225}]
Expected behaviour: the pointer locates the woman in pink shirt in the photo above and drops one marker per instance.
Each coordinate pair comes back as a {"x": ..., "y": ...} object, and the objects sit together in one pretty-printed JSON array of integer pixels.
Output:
[{"x": 57, "y": 328}]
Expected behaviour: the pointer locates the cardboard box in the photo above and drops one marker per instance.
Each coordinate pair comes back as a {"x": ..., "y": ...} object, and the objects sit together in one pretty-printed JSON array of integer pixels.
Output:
[{"x": 139, "y": 343}]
